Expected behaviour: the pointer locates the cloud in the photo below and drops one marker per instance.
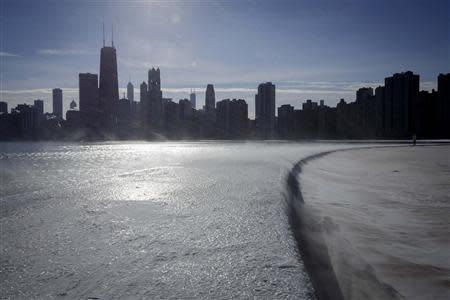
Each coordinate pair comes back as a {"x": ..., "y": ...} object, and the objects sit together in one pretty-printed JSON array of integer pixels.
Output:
[
  {"x": 170, "y": 91},
  {"x": 64, "y": 52},
  {"x": 8, "y": 54},
  {"x": 36, "y": 91}
]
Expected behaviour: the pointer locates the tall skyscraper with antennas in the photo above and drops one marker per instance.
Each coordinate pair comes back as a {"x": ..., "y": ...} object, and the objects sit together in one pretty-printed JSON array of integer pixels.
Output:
[{"x": 109, "y": 84}]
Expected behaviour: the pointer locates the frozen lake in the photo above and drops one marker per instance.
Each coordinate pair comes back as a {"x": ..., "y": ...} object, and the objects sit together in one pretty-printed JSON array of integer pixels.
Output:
[
  {"x": 384, "y": 216},
  {"x": 151, "y": 220}
]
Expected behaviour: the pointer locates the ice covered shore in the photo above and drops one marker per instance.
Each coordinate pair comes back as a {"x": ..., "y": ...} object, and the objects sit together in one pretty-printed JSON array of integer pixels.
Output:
[{"x": 374, "y": 222}]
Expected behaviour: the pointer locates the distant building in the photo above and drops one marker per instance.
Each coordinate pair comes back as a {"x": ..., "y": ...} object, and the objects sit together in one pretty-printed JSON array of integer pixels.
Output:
[
  {"x": 154, "y": 94},
  {"x": 326, "y": 120},
  {"x": 185, "y": 109},
  {"x": 108, "y": 86},
  {"x": 144, "y": 106},
  {"x": 3, "y": 107},
  {"x": 401, "y": 96},
  {"x": 208, "y": 116},
  {"x": 192, "y": 98},
  {"x": 171, "y": 119},
  {"x": 124, "y": 116},
  {"x": 364, "y": 93},
  {"x": 363, "y": 120},
  {"x": 309, "y": 105},
  {"x": 73, "y": 118},
  {"x": 378, "y": 112},
  {"x": 265, "y": 110},
  {"x": 343, "y": 122},
  {"x": 238, "y": 118},
  {"x": 26, "y": 120},
  {"x": 223, "y": 118},
  {"x": 307, "y": 120},
  {"x": 444, "y": 105},
  {"x": 38, "y": 111},
  {"x": 73, "y": 104},
  {"x": 232, "y": 118},
  {"x": 130, "y": 92},
  {"x": 89, "y": 98},
  {"x": 285, "y": 121},
  {"x": 210, "y": 99},
  {"x": 58, "y": 103},
  {"x": 427, "y": 120}
]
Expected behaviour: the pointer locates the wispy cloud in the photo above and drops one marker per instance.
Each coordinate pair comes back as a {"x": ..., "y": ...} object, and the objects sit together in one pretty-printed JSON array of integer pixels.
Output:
[
  {"x": 64, "y": 52},
  {"x": 8, "y": 54},
  {"x": 37, "y": 91}
]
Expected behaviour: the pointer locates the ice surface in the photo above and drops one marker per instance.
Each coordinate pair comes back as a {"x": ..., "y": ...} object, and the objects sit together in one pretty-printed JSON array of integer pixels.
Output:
[
  {"x": 384, "y": 217},
  {"x": 149, "y": 220}
]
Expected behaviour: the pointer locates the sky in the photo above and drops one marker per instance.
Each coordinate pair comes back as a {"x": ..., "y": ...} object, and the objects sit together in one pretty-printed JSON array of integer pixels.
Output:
[{"x": 308, "y": 49}]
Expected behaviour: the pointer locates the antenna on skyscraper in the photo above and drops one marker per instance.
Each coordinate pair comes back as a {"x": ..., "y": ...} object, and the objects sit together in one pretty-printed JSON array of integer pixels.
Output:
[
  {"x": 103, "y": 33},
  {"x": 112, "y": 35}
]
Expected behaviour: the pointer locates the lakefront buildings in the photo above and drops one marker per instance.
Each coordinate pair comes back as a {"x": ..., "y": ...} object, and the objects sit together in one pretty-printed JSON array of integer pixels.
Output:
[
  {"x": 265, "y": 110},
  {"x": 396, "y": 110},
  {"x": 58, "y": 103}
]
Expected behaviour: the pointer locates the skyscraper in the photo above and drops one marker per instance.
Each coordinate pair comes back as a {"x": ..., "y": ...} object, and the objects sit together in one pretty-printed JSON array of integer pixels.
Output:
[
  {"x": 3, "y": 107},
  {"x": 38, "y": 111},
  {"x": 364, "y": 93},
  {"x": 210, "y": 99},
  {"x": 223, "y": 118},
  {"x": 109, "y": 85},
  {"x": 130, "y": 92},
  {"x": 238, "y": 118},
  {"x": 144, "y": 105},
  {"x": 193, "y": 100},
  {"x": 39, "y": 106},
  {"x": 58, "y": 103},
  {"x": 401, "y": 95},
  {"x": 379, "y": 111},
  {"x": 286, "y": 121},
  {"x": 155, "y": 98},
  {"x": 265, "y": 110},
  {"x": 89, "y": 98},
  {"x": 154, "y": 79},
  {"x": 185, "y": 107}
]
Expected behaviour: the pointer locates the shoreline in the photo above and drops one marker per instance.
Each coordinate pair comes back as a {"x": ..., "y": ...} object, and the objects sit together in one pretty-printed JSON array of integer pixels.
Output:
[{"x": 322, "y": 245}]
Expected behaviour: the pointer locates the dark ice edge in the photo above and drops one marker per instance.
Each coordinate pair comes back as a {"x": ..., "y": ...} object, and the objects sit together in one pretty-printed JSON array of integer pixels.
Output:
[
  {"x": 315, "y": 255},
  {"x": 318, "y": 266}
]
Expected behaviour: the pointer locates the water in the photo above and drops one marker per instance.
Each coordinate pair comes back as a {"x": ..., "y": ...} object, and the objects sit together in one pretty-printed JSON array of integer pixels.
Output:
[{"x": 149, "y": 220}]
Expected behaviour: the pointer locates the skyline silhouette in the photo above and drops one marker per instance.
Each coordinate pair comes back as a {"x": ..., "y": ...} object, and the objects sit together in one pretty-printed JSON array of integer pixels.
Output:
[
  {"x": 309, "y": 51},
  {"x": 397, "y": 110}
]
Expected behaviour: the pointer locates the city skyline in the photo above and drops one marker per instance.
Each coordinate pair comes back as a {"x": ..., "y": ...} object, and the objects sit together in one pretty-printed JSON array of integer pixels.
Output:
[
  {"x": 397, "y": 109},
  {"x": 308, "y": 82}
]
